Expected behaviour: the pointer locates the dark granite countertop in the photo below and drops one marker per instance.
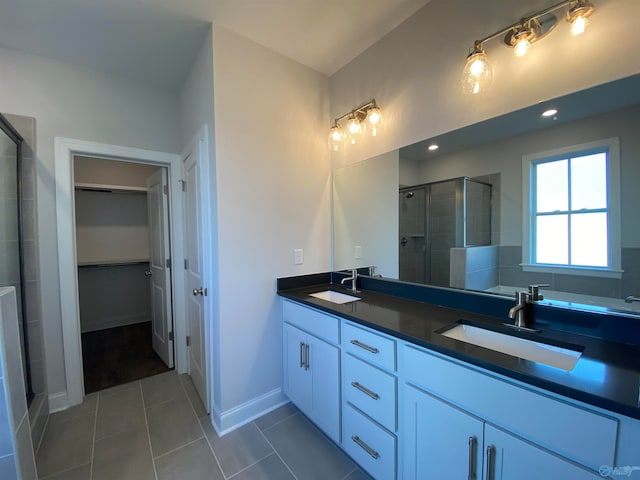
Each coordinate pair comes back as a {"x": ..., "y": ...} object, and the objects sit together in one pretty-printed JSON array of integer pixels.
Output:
[{"x": 607, "y": 374}]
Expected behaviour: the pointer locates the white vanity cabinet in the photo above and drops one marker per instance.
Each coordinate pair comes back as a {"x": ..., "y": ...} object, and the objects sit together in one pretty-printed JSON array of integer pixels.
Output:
[
  {"x": 402, "y": 411},
  {"x": 369, "y": 399},
  {"x": 311, "y": 364},
  {"x": 462, "y": 423}
]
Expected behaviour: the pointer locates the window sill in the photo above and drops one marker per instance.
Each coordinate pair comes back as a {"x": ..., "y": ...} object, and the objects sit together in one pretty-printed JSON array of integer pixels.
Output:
[{"x": 581, "y": 271}]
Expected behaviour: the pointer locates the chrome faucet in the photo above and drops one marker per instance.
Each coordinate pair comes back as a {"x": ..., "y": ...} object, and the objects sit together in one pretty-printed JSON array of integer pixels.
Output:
[
  {"x": 373, "y": 272},
  {"x": 534, "y": 291},
  {"x": 517, "y": 312},
  {"x": 353, "y": 278},
  {"x": 631, "y": 298}
]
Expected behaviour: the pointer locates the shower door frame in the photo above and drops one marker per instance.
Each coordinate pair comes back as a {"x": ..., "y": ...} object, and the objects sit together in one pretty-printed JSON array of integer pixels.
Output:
[{"x": 15, "y": 137}]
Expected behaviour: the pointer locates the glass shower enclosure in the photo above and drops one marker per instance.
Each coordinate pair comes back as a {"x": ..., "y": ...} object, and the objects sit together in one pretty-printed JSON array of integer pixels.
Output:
[{"x": 436, "y": 217}]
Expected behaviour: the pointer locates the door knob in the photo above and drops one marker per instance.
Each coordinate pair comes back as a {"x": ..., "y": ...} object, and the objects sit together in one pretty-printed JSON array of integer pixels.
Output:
[
  {"x": 199, "y": 291},
  {"x": 147, "y": 273}
]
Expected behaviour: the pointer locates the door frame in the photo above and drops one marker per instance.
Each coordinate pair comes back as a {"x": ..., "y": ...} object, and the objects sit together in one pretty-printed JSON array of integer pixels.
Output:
[{"x": 65, "y": 150}]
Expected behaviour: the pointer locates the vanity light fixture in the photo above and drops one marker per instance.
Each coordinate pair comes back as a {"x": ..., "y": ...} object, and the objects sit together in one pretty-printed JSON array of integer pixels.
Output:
[
  {"x": 363, "y": 120},
  {"x": 477, "y": 73}
]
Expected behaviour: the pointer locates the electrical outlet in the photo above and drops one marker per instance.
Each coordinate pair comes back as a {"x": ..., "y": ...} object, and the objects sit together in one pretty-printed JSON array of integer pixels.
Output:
[
  {"x": 298, "y": 256},
  {"x": 358, "y": 252}
]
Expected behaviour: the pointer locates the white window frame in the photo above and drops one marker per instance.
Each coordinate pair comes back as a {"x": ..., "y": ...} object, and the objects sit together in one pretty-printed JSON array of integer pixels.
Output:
[{"x": 614, "y": 270}]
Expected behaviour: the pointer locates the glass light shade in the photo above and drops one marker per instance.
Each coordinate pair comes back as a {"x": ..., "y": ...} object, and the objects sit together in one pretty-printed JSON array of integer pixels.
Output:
[
  {"x": 354, "y": 130},
  {"x": 373, "y": 123},
  {"x": 521, "y": 47},
  {"x": 579, "y": 24},
  {"x": 477, "y": 74},
  {"x": 336, "y": 138}
]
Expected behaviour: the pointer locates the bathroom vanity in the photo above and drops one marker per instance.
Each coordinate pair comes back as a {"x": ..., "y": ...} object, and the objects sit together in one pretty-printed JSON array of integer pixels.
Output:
[{"x": 379, "y": 376}]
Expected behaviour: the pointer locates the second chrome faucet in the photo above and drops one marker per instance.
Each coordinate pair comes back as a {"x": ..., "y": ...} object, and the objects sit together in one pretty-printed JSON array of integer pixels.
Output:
[{"x": 354, "y": 280}]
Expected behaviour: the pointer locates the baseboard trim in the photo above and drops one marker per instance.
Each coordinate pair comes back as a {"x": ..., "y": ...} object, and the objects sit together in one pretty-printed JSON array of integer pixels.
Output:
[
  {"x": 229, "y": 420},
  {"x": 58, "y": 401}
]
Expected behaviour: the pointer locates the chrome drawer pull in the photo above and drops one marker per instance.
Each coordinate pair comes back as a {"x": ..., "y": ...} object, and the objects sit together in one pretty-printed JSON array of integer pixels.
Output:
[
  {"x": 490, "y": 452},
  {"x": 365, "y": 390},
  {"x": 301, "y": 354},
  {"x": 365, "y": 346},
  {"x": 365, "y": 447},
  {"x": 472, "y": 458},
  {"x": 306, "y": 356}
]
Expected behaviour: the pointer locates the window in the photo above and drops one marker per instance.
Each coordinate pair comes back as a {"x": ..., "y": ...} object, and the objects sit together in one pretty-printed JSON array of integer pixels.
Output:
[{"x": 571, "y": 217}]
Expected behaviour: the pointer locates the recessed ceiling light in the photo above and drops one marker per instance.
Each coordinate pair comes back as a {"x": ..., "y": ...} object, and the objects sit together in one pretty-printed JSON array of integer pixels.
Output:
[
  {"x": 433, "y": 147},
  {"x": 549, "y": 113}
]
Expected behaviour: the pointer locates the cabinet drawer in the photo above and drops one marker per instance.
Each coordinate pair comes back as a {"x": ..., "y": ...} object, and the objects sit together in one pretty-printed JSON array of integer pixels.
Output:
[
  {"x": 369, "y": 444},
  {"x": 320, "y": 324},
  {"x": 371, "y": 390},
  {"x": 369, "y": 346},
  {"x": 569, "y": 430}
]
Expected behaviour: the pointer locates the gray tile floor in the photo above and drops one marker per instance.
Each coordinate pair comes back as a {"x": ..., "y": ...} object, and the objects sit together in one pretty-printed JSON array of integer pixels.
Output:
[{"x": 157, "y": 429}]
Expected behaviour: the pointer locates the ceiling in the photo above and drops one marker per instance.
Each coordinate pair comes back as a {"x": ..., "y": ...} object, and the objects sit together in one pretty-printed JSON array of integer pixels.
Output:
[{"x": 155, "y": 41}]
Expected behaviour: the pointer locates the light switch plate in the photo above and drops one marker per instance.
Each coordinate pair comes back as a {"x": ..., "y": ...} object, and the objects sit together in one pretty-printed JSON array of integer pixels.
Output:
[
  {"x": 298, "y": 256},
  {"x": 358, "y": 252}
]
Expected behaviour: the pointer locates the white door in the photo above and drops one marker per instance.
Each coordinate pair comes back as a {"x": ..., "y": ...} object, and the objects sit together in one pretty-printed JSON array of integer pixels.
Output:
[
  {"x": 196, "y": 290},
  {"x": 159, "y": 273}
]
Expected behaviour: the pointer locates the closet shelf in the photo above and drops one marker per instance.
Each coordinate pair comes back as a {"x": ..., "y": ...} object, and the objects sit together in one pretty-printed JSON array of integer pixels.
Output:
[
  {"x": 113, "y": 263},
  {"x": 96, "y": 187}
]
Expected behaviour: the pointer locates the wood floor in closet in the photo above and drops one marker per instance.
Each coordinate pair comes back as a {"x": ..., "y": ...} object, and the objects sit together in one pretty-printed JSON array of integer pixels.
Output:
[{"x": 119, "y": 355}]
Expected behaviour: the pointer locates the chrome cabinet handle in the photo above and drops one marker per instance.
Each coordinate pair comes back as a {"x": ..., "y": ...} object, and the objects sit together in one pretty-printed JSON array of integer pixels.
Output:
[
  {"x": 301, "y": 354},
  {"x": 306, "y": 357},
  {"x": 365, "y": 390},
  {"x": 365, "y": 346},
  {"x": 472, "y": 458},
  {"x": 365, "y": 447},
  {"x": 490, "y": 452},
  {"x": 147, "y": 273}
]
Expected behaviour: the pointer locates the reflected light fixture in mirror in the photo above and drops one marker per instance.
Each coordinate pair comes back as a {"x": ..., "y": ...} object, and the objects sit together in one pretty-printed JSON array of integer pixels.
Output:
[
  {"x": 477, "y": 73},
  {"x": 363, "y": 120}
]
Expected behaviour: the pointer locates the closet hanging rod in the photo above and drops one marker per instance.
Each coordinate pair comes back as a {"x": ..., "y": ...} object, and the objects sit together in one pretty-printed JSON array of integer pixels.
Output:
[{"x": 113, "y": 264}]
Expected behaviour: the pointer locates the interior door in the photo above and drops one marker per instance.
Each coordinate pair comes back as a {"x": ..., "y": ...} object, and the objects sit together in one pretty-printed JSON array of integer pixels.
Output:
[
  {"x": 196, "y": 290},
  {"x": 159, "y": 272}
]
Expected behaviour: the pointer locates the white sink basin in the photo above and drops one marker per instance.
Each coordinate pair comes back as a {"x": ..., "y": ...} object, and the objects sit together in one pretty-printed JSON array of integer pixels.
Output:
[
  {"x": 335, "y": 297},
  {"x": 518, "y": 347}
]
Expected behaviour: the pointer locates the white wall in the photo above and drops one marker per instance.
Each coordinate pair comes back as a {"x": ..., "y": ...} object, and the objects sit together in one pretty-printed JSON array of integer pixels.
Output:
[
  {"x": 365, "y": 213},
  {"x": 70, "y": 101},
  {"x": 273, "y": 180},
  {"x": 414, "y": 72}
]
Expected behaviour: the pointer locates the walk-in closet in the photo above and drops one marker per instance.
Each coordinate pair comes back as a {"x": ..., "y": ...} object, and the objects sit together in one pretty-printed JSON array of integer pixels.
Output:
[{"x": 112, "y": 216}]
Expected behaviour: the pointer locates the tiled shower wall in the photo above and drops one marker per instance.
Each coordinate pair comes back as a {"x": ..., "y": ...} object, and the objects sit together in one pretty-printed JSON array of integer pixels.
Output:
[{"x": 39, "y": 408}]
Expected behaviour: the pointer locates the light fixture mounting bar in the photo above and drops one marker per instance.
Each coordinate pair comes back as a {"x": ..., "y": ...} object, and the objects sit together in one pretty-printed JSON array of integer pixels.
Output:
[
  {"x": 525, "y": 20},
  {"x": 359, "y": 112}
]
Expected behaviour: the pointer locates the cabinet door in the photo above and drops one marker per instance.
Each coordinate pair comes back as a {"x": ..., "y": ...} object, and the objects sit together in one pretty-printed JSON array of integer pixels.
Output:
[
  {"x": 323, "y": 363},
  {"x": 515, "y": 458},
  {"x": 440, "y": 441},
  {"x": 297, "y": 378}
]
